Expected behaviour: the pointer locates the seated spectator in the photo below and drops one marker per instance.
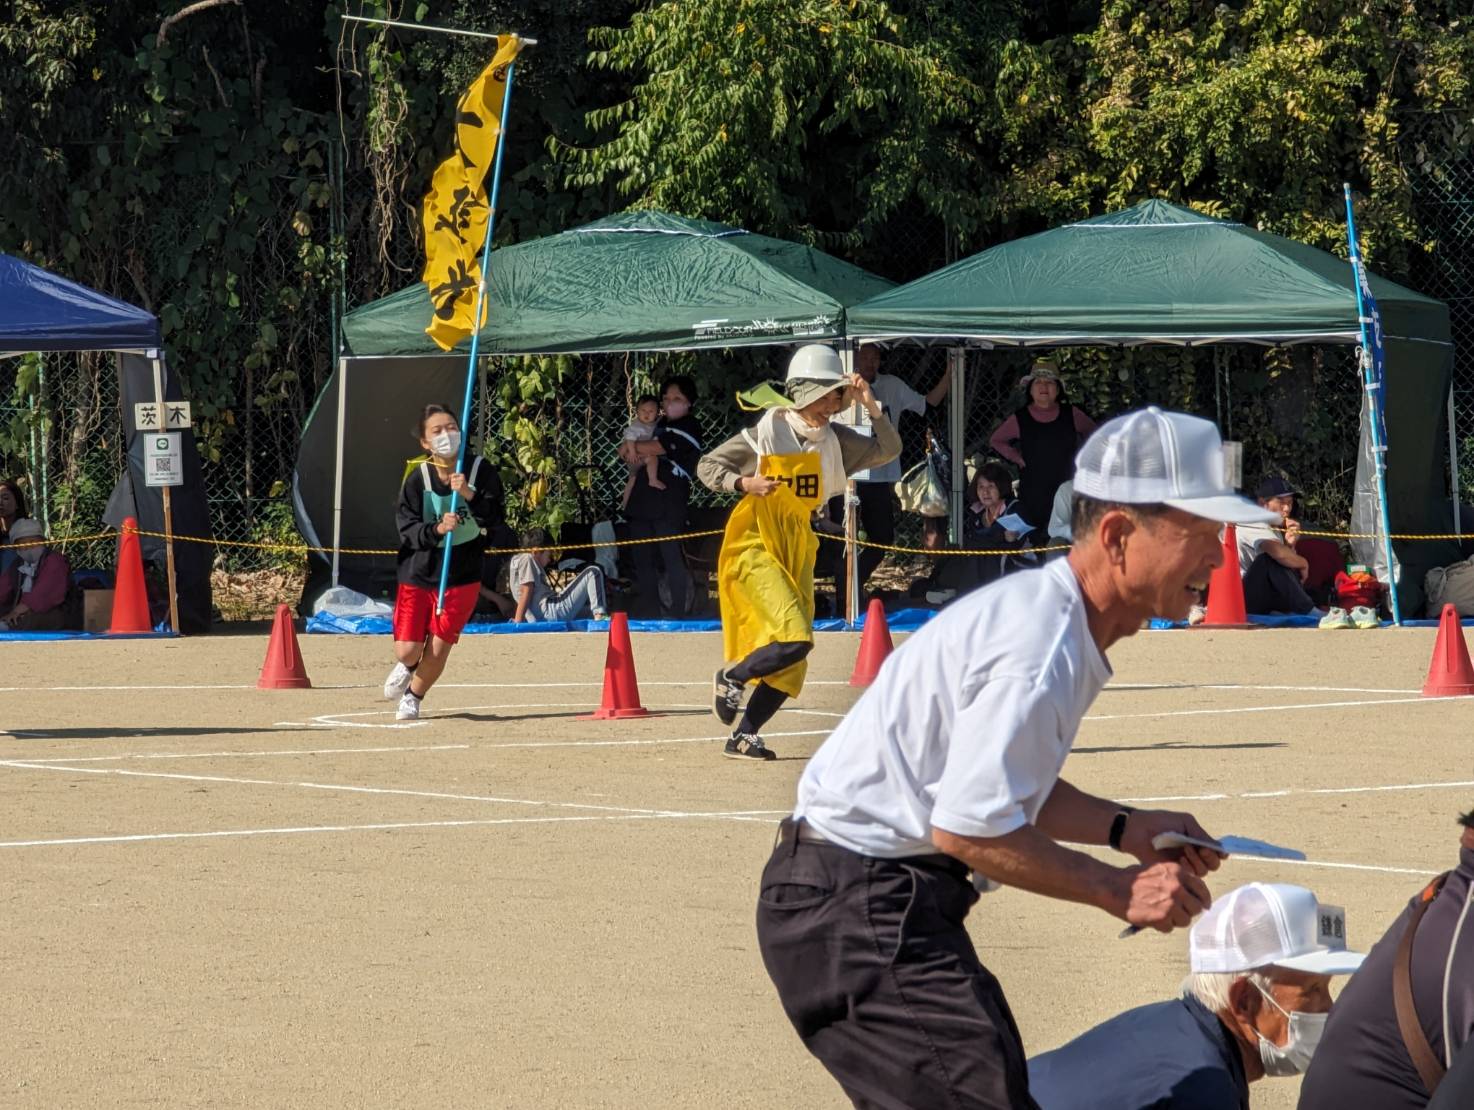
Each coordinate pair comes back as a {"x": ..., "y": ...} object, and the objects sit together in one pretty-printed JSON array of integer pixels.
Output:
[
  {"x": 1364, "y": 1058},
  {"x": 990, "y": 500},
  {"x": 538, "y": 601},
  {"x": 490, "y": 599},
  {"x": 12, "y": 508},
  {"x": 33, "y": 591},
  {"x": 1061, "y": 528},
  {"x": 1274, "y": 572},
  {"x": 1261, "y": 961}
]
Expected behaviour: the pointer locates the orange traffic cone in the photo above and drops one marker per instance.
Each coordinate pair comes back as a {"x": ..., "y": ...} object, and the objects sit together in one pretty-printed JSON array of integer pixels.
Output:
[
  {"x": 1226, "y": 588},
  {"x": 1450, "y": 674},
  {"x": 130, "y": 596},
  {"x": 283, "y": 669},
  {"x": 621, "y": 688},
  {"x": 875, "y": 645}
]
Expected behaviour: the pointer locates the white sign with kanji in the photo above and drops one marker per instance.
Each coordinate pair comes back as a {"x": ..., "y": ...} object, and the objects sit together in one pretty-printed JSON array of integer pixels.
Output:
[
  {"x": 163, "y": 460},
  {"x": 146, "y": 416}
]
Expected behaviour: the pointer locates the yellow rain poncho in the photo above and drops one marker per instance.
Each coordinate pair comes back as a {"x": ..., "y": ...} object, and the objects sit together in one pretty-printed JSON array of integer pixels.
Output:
[{"x": 765, "y": 574}]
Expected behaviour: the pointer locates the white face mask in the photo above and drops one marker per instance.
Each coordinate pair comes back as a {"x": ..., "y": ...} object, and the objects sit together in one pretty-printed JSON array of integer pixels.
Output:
[
  {"x": 1292, "y": 1057},
  {"x": 31, "y": 554},
  {"x": 446, "y": 444}
]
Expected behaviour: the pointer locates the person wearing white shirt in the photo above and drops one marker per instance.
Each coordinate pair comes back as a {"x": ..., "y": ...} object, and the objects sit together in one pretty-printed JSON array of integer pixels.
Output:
[
  {"x": 1274, "y": 572},
  {"x": 950, "y": 763},
  {"x": 875, "y": 487}
]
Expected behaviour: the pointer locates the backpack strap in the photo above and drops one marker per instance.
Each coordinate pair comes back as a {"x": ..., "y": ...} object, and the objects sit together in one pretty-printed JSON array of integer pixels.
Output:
[{"x": 1430, "y": 1068}]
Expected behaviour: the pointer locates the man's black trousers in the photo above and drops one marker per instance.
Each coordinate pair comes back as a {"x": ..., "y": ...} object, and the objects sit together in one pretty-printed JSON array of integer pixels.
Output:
[
  {"x": 879, "y": 977},
  {"x": 1272, "y": 587}
]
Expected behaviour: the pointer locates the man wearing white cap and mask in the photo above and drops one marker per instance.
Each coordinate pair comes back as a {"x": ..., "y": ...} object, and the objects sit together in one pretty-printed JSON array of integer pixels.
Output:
[
  {"x": 1254, "y": 1005},
  {"x": 788, "y": 465},
  {"x": 950, "y": 763}
]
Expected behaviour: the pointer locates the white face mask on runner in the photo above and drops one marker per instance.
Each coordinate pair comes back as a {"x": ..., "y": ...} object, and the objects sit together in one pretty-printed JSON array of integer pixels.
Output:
[{"x": 446, "y": 444}]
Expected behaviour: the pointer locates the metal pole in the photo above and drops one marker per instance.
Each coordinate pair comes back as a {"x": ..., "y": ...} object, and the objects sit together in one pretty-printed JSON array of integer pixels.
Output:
[
  {"x": 957, "y": 432},
  {"x": 1374, "y": 404},
  {"x": 158, "y": 364},
  {"x": 496, "y": 181},
  {"x": 338, "y": 465},
  {"x": 851, "y": 499},
  {"x": 1453, "y": 462},
  {"x": 428, "y": 27}
]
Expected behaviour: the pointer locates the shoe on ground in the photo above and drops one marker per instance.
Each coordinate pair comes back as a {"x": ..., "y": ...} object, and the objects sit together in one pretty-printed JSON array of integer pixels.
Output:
[
  {"x": 1365, "y": 617},
  {"x": 1197, "y": 614},
  {"x": 726, "y": 696},
  {"x": 940, "y": 597},
  {"x": 744, "y": 745},
  {"x": 600, "y": 615},
  {"x": 1336, "y": 617},
  {"x": 409, "y": 708},
  {"x": 397, "y": 682}
]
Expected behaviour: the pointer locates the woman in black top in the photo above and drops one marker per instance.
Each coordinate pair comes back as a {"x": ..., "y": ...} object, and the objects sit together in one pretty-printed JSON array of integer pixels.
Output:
[
  {"x": 662, "y": 512},
  {"x": 435, "y": 501},
  {"x": 1041, "y": 439}
]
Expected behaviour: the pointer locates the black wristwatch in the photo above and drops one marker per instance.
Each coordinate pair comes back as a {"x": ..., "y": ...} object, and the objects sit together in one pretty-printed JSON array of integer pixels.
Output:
[{"x": 1118, "y": 827}]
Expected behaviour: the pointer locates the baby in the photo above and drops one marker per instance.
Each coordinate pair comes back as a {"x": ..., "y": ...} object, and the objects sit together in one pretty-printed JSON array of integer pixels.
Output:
[{"x": 647, "y": 414}]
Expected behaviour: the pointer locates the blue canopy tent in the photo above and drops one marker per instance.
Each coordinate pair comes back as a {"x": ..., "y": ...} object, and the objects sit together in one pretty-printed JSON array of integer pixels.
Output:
[{"x": 42, "y": 312}]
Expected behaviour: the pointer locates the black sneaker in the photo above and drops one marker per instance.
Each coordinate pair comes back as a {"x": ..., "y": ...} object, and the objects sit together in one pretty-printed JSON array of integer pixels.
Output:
[
  {"x": 744, "y": 745},
  {"x": 726, "y": 697}
]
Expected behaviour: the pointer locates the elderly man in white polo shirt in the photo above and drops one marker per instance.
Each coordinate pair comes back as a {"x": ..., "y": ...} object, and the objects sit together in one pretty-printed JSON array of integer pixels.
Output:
[{"x": 950, "y": 764}]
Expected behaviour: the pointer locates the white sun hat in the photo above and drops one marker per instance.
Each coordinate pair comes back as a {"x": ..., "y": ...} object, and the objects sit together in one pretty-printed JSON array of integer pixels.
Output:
[
  {"x": 1152, "y": 457},
  {"x": 813, "y": 371},
  {"x": 1271, "y": 923}
]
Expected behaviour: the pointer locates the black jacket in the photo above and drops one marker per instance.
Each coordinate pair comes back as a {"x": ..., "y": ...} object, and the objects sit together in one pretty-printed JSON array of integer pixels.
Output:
[{"x": 421, "y": 547}]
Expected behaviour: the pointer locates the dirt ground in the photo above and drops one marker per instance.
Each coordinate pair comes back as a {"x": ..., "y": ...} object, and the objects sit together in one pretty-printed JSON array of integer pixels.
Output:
[{"x": 218, "y": 896}]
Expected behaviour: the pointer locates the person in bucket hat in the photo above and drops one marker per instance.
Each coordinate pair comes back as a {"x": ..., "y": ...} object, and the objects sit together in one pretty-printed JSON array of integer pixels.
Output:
[
  {"x": 787, "y": 466},
  {"x": 945, "y": 778},
  {"x": 1041, "y": 438}
]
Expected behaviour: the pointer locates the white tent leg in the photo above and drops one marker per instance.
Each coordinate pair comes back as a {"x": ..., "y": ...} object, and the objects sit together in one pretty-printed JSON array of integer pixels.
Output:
[
  {"x": 338, "y": 465},
  {"x": 957, "y": 436}
]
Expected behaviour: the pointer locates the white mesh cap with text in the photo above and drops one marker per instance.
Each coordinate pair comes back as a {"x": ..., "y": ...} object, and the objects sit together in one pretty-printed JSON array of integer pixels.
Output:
[
  {"x": 1271, "y": 923},
  {"x": 1152, "y": 457}
]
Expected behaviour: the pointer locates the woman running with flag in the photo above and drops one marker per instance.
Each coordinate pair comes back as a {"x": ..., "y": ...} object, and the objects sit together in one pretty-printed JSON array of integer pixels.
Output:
[
  {"x": 788, "y": 465},
  {"x": 434, "y": 503}
]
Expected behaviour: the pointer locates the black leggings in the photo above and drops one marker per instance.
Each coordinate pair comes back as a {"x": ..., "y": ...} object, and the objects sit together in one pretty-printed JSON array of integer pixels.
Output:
[{"x": 766, "y": 700}]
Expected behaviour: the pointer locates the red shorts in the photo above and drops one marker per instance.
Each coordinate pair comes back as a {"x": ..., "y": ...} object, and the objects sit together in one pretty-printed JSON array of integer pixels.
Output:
[{"x": 414, "y": 612}]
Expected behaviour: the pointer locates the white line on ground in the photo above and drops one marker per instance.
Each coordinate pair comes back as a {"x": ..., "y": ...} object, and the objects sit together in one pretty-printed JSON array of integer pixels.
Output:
[
  {"x": 737, "y": 815},
  {"x": 345, "y": 788},
  {"x": 1270, "y": 708},
  {"x": 243, "y": 755},
  {"x": 1460, "y": 784}
]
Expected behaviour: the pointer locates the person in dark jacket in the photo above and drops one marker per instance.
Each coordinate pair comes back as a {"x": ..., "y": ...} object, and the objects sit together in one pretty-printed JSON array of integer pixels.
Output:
[
  {"x": 990, "y": 500},
  {"x": 1363, "y": 1059},
  {"x": 436, "y": 501},
  {"x": 1262, "y": 958},
  {"x": 33, "y": 592},
  {"x": 1041, "y": 439},
  {"x": 662, "y": 512}
]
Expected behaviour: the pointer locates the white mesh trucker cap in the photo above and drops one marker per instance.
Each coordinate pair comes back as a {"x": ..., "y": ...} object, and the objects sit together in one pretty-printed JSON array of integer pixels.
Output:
[
  {"x": 1153, "y": 457},
  {"x": 1271, "y": 923}
]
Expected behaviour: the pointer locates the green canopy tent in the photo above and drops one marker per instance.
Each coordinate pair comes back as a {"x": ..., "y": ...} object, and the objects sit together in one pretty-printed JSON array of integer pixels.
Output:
[
  {"x": 1160, "y": 273},
  {"x": 637, "y": 281}
]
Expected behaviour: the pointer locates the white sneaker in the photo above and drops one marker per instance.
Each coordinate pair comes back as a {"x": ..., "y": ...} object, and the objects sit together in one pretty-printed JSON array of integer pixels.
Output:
[
  {"x": 940, "y": 597},
  {"x": 409, "y": 708},
  {"x": 397, "y": 682},
  {"x": 1197, "y": 614}
]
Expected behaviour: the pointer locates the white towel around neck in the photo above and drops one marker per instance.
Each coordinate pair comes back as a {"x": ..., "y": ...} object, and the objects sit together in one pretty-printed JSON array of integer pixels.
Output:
[{"x": 778, "y": 433}]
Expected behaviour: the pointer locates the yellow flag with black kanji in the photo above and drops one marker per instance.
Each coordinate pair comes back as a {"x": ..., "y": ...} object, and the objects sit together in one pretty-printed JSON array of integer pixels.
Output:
[{"x": 456, "y": 207}]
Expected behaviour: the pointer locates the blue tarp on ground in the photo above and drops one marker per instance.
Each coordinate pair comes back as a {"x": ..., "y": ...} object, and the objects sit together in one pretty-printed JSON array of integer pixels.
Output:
[
  {"x": 40, "y": 311},
  {"x": 902, "y": 620}
]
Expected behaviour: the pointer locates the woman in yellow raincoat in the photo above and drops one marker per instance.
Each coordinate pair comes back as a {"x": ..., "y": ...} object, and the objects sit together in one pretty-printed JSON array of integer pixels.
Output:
[{"x": 788, "y": 466}]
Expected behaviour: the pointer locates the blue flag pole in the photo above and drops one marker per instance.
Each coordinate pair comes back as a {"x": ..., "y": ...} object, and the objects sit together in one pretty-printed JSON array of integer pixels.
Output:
[
  {"x": 1372, "y": 378},
  {"x": 496, "y": 182}
]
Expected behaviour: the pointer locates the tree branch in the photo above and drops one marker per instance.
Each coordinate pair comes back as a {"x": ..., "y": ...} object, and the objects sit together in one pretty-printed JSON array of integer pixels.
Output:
[{"x": 186, "y": 12}]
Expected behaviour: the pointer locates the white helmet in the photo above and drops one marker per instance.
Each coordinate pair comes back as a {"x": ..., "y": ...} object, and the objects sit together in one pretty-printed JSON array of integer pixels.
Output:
[{"x": 814, "y": 362}]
